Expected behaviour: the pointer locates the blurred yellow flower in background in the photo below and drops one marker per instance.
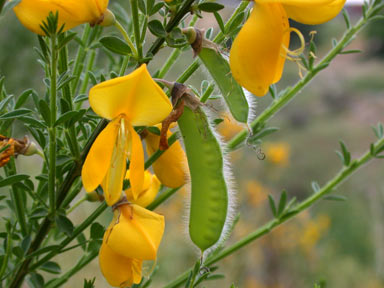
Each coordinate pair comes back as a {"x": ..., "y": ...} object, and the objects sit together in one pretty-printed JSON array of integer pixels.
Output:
[
  {"x": 277, "y": 153},
  {"x": 229, "y": 127},
  {"x": 132, "y": 100},
  {"x": 257, "y": 193},
  {"x": 72, "y": 13},
  {"x": 312, "y": 231},
  {"x": 259, "y": 51}
]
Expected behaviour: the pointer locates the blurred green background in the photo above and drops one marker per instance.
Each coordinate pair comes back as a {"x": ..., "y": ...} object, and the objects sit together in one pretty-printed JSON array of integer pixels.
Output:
[{"x": 335, "y": 243}]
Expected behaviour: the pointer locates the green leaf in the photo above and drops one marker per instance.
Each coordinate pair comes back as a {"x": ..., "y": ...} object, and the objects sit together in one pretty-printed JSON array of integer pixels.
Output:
[
  {"x": 45, "y": 111},
  {"x": 220, "y": 21},
  {"x": 80, "y": 98},
  {"x": 315, "y": 186},
  {"x": 65, "y": 117},
  {"x": 156, "y": 8},
  {"x": 15, "y": 113},
  {"x": 32, "y": 121},
  {"x": 272, "y": 205},
  {"x": 351, "y": 51},
  {"x": 210, "y": 7},
  {"x": 23, "y": 97},
  {"x": 154, "y": 130},
  {"x": 13, "y": 179},
  {"x": 8, "y": 6},
  {"x": 64, "y": 224},
  {"x": 26, "y": 243},
  {"x": 346, "y": 19},
  {"x": 346, "y": 155},
  {"x": 97, "y": 231},
  {"x": 157, "y": 28},
  {"x": 51, "y": 267},
  {"x": 115, "y": 45},
  {"x": 282, "y": 202},
  {"x": 89, "y": 283},
  {"x": 36, "y": 280}
]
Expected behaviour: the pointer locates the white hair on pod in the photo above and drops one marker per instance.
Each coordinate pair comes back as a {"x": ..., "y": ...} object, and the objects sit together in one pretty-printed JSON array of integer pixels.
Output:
[
  {"x": 231, "y": 188},
  {"x": 231, "y": 191},
  {"x": 252, "y": 103}
]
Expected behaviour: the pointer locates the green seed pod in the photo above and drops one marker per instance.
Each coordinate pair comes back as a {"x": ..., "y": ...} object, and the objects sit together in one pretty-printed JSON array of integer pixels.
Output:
[
  {"x": 209, "y": 204},
  {"x": 232, "y": 92},
  {"x": 220, "y": 71}
]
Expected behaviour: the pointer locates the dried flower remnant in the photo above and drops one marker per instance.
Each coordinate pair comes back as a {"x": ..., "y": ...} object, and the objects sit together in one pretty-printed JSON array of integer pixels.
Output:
[{"x": 14, "y": 147}]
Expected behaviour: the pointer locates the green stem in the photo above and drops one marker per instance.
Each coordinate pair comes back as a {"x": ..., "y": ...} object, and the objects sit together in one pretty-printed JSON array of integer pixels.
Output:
[
  {"x": 169, "y": 63},
  {"x": 77, "y": 204},
  {"x": 126, "y": 38},
  {"x": 136, "y": 28},
  {"x": 218, "y": 39},
  {"x": 91, "y": 61},
  {"x": 79, "y": 229},
  {"x": 340, "y": 177},
  {"x": 17, "y": 201},
  {"x": 4, "y": 265},
  {"x": 174, "y": 55},
  {"x": 84, "y": 261},
  {"x": 280, "y": 102},
  {"x": 185, "y": 8},
  {"x": 81, "y": 53},
  {"x": 124, "y": 66},
  {"x": 207, "y": 93},
  {"x": 162, "y": 198},
  {"x": 52, "y": 128}
]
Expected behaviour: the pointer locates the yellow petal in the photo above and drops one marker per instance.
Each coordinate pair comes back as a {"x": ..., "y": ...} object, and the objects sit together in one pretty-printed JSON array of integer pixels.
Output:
[
  {"x": 99, "y": 157},
  {"x": 257, "y": 56},
  {"x": 113, "y": 181},
  {"x": 136, "y": 165},
  {"x": 119, "y": 271},
  {"x": 136, "y": 95},
  {"x": 150, "y": 189},
  {"x": 171, "y": 167},
  {"x": 135, "y": 232},
  {"x": 32, "y": 13},
  {"x": 314, "y": 14}
]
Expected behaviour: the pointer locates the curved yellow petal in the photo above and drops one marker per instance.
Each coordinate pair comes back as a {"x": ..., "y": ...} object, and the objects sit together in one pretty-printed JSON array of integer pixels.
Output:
[
  {"x": 136, "y": 165},
  {"x": 135, "y": 232},
  {"x": 99, "y": 157},
  {"x": 257, "y": 56},
  {"x": 113, "y": 181},
  {"x": 137, "y": 96},
  {"x": 150, "y": 189},
  {"x": 171, "y": 167},
  {"x": 118, "y": 270},
  {"x": 314, "y": 14},
  {"x": 296, "y": 2},
  {"x": 32, "y": 13}
]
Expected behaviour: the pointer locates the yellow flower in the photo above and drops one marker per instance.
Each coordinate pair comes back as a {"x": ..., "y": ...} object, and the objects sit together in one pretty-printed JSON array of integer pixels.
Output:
[
  {"x": 135, "y": 232},
  {"x": 119, "y": 271},
  {"x": 259, "y": 51},
  {"x": 32, "y": 13},
  {"x": 151, "y": 186},
  {"x": 132, "y": 100},
  {"x": 278, "y": 153},
  {"x": 171, "y": 167}
]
